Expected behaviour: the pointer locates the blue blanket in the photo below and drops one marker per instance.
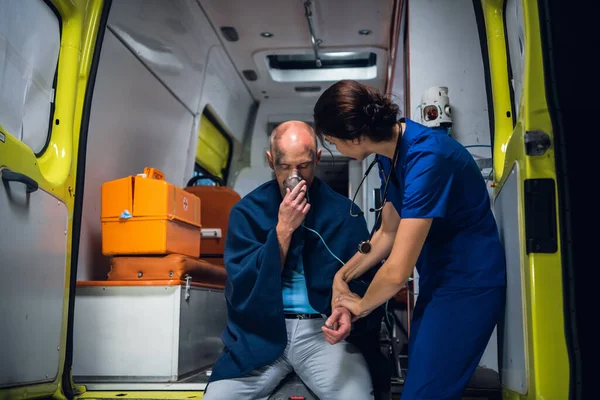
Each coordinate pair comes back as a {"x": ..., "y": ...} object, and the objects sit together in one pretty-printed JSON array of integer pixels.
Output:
[{"x": 255, "y": 335}]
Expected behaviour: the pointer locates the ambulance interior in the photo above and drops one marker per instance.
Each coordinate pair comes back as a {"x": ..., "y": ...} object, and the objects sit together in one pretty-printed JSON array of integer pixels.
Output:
[{"x": 193, "y": 89}]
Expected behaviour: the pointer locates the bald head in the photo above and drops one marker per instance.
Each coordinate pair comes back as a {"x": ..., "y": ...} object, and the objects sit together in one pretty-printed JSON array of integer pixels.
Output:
[
  {"x": 293, "y": 148},
  {"x": 294, "y": 131}
]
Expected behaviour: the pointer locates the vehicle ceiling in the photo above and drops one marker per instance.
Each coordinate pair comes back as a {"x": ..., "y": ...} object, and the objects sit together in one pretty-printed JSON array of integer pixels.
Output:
[{"x": 337, "y": 23}]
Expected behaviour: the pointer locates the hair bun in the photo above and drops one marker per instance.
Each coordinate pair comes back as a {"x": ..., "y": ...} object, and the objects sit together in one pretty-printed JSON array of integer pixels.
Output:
[
  {"x": 349, "y": 109},
  {"x": 372, "y": 109}
]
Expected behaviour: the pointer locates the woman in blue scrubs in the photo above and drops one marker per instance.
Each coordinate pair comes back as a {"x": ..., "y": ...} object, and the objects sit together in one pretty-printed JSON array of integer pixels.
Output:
[{"x": 436, "y": 216}]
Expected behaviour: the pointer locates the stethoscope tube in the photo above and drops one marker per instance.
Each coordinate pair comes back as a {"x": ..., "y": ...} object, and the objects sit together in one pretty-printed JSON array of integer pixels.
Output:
[{"x": 365, "y": 246}]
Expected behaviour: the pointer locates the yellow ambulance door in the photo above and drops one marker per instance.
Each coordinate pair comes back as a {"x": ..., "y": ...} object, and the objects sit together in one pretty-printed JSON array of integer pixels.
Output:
[
  {"x": 45, "y": 55},
  {"x": 533, "y": 357}
]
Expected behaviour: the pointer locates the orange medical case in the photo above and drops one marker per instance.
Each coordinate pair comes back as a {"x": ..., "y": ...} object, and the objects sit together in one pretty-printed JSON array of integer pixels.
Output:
[
  {"x": 217, "y": 202},
  {"x": 146, "y": 215}
]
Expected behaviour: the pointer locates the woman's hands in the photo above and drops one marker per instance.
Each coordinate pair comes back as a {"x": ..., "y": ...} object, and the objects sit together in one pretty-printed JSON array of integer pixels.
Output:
[
  {"x": 342, "y": 297},
  {"x": 353, "y": 303},
  {"x": 339, "y": 287}
]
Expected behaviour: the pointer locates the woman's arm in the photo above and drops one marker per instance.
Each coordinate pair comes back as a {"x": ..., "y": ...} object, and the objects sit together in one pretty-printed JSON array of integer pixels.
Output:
[
  {"x": 381, "y": 245},
  {"x": 394, "y": 273},
  {"x": 428, "y": 182}
]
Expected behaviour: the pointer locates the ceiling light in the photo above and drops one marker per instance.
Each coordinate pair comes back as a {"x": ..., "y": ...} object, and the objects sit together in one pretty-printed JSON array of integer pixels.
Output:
[
  {"x": 364, "y": 32},
  {"x": 341, "y": 54},
  {"x": 266, "y": 34}
]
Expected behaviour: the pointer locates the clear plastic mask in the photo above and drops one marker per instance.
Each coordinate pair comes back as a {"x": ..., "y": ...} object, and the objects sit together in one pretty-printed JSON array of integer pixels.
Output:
[{"x": 293, "y": 180}]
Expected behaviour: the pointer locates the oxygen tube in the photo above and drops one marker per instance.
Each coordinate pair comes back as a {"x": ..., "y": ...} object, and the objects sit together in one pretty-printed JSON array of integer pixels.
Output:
[{"x": 387, "y": 312}]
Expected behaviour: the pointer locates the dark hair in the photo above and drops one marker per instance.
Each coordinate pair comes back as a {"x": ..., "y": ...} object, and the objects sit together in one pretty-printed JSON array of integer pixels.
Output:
[{"x": 348, "y": 110}]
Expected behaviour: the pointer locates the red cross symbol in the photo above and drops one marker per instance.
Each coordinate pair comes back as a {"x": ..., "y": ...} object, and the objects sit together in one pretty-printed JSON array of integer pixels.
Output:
[{"x": 185, "y": 203}]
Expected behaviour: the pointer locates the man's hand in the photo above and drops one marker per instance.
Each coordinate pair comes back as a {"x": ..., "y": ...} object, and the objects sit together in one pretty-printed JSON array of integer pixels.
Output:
[
  {"x": 292, "y": 210},
  {"x": 338, "y": 326},
  {"x": 353, "y": 303}
]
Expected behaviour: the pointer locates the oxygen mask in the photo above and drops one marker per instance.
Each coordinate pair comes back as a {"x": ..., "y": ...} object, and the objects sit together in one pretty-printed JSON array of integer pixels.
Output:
[{"x": 293, "y": 180}]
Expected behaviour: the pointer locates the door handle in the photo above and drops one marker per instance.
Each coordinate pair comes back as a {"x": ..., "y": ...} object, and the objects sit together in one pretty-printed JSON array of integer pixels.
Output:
[{"x": 11, "y": 176}]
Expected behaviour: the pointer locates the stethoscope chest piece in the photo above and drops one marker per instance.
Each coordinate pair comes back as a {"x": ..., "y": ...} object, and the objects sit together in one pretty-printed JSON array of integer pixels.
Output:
[{"x": 364, "y": 247}]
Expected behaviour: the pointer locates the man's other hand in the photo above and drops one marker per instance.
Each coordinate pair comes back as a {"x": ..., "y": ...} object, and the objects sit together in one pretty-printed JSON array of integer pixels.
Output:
[
  {"x": 293, "y": 209},
  {"x": 338, "y": 326}
]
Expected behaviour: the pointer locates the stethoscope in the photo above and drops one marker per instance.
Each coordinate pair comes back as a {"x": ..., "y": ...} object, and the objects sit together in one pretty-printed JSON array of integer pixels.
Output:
[{"x": 365, "y": 247}]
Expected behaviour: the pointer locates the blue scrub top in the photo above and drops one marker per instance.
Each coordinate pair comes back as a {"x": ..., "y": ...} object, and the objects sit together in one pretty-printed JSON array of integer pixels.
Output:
[{"x": 438, "y": 178}]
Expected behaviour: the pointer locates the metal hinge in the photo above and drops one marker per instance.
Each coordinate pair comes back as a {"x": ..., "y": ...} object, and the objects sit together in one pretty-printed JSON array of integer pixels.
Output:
[
  {"x": 536, "y": 143},
  {"x": 188, "y": 285}
]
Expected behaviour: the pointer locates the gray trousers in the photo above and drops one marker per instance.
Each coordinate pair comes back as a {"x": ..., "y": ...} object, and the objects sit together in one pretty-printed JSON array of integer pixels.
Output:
[{"x": 331, "y": 372}]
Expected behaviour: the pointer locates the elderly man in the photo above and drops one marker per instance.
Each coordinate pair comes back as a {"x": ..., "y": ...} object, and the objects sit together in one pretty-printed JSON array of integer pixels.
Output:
[{"x": 285, "y": 242}]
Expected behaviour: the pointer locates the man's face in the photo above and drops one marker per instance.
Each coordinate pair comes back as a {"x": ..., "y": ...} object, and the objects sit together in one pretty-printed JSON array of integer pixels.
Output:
[{"x": 294, "y": 152}]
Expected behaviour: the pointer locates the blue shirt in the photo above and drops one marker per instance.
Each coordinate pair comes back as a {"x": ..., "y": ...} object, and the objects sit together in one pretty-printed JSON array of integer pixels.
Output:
[
  {"x": 438, "y": 178},
  {"x": 294, "y": 292}
]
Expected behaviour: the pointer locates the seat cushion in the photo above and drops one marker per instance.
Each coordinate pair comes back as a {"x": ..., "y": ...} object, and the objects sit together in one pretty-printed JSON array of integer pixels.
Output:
[{"x": 171, "y": 267}]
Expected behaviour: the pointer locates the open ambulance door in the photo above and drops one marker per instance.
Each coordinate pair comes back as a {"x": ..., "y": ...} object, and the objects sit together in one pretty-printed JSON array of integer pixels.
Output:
[
  {"x": 534, "y": 342},
  {"x": 47, "y": 53}
]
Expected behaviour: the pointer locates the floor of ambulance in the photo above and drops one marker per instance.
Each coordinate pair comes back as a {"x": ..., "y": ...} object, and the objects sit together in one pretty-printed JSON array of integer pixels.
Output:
[{"x": 484, "y": 385}]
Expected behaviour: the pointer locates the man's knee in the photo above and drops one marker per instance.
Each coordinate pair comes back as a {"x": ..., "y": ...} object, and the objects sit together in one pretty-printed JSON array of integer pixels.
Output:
[
  {"x": 228, "y": 389},
  {"x": 342, "y": 388},
  {"x": 354, "y": 390},
  {"x": 217, "y": 391},
  {"x": 351, "y": 379},
  {"x": 346, "y": 389}
]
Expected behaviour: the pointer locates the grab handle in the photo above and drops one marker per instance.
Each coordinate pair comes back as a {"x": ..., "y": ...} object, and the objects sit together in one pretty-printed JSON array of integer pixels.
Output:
[{"x": 11, "y": 176}]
